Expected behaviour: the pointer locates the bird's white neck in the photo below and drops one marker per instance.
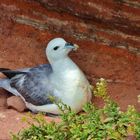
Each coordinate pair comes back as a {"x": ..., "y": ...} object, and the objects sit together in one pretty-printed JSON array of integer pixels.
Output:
[{"x": 62, "y": 65}]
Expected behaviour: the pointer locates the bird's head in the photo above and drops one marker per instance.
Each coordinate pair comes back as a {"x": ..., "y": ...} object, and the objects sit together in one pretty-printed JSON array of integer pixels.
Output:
[{"x": 58, "y": 49}]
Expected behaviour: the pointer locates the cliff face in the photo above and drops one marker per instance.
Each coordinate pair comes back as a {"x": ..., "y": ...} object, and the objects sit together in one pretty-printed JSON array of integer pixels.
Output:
[
  {"x": 113, "y": 22},
  {"x": 121, "y": 14},
  {"x": 107, "y": 33}
]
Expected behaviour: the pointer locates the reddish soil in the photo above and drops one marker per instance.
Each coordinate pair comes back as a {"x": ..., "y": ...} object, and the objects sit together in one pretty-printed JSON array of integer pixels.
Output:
[{"x": 24, "y": 46}]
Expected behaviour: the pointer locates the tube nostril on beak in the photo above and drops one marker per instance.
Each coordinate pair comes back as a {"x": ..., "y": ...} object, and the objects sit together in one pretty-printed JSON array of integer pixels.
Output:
[{"x": 69, "y": 44}]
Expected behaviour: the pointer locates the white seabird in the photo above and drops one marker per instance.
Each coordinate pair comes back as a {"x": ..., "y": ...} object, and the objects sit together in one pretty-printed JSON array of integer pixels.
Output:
[{"x": 61, "y": 79}]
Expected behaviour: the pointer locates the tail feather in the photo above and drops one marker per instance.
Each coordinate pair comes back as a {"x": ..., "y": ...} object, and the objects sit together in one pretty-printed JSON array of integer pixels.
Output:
[
  {"x": 3, "y": 69},
  {"x": 9, "y": 73},
  {"x": 2, "y": 83},
  {"x": 5, "y": 84}
]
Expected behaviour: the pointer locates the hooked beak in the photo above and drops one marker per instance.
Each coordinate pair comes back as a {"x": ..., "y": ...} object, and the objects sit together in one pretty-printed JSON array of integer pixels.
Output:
[{"x": 71, "y": 46}]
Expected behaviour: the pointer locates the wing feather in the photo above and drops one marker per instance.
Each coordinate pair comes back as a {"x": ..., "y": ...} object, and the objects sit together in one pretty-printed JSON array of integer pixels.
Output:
[{"x": 34, "y": 86}]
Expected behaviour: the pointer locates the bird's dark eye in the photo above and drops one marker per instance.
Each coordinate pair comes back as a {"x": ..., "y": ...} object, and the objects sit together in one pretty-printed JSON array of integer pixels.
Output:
[{"x": 55, "y": 48}]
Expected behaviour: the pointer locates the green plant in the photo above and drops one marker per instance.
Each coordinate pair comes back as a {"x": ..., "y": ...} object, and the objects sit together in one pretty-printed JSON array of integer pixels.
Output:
[{"x": 107, "y": 123}]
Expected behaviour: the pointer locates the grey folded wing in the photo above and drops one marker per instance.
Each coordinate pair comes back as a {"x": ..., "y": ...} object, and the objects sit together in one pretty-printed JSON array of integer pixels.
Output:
[{"x": 34, "y": 86}]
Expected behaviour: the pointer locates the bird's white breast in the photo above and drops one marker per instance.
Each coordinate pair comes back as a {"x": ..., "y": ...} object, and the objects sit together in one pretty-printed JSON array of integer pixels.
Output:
[{"x": 72, "y": 87}]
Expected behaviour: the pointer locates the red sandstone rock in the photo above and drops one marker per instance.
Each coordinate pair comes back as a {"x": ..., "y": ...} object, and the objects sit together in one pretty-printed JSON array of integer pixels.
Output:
[
  {"x": 3, "y": 99},
  {"x": 16, "y": 103},
  {"x": 123, "y": 15},
  {"x": 102, "y": 22}
]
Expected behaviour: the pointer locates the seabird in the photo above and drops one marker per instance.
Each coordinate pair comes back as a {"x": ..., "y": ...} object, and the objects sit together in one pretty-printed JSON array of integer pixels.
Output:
[{"x": 61, "y": 79}]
